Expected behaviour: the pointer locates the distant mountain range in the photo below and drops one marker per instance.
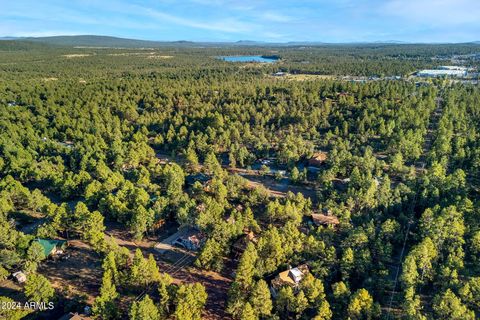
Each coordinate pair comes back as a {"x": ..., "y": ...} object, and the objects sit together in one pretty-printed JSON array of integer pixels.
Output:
[
  {"x": 93, "y": 41},
  {"x": 107, "y": 41}
]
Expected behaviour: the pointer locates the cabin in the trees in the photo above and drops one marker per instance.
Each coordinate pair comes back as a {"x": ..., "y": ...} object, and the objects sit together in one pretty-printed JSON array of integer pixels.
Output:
[
  {"x": 291, "y": 277},
  {"x": 191, "y": 242},
  {"x": 240, "y": 245},
  {"x": 19, "y": 277},
  {"x": 52, "y": 247},
  {"x": 325, "y": 219},
  {"x": 74, "y": 316},
  {"x": 199, "y": 177},
  {"x": 341, "y": 184},
  {"x": 318, "y": 159}
]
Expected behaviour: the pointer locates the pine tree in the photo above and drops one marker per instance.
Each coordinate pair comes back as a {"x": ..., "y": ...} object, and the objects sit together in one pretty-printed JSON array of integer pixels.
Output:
[
  {"x": 449, "y": 306},
  {"x": 260, "y": 299},
  {"x": 323, "y": 311},
  {"x": 141, "y": 221},
  {"x": 38, "y": 288},
  {"x": 35, "y": 252},
  {"x": 105, "y": 305},
  {"x": 190, "y": 300},
  {"x": 144, "y": 310},
  {"x": 300, "y": 304},
  {"x": 246, "y": 267},
  {"x": 237, "y": 293},
  {"x": 295, "y": 175},
  {"x": 361, "y": 305},
  {"x": 248, "y": 313},
  {"x": 409, "y": 272},
  {"x": 94, "y": 231},
  {"x": 11, "y": 313},
  {"x": 347, "y": 263},
  {"x": 152, "y": 272},
  {"x": 164, "y": 305},
  {"x": 139, "y": 275},
  {"x": 412, "y": 304},
  {"x": 285, "y": 301},
  {"x": 192, "y": 157},
  {"x": 212, "y": 165},
  {"x": 110, "y": 263},
  {"x": 313, "y": 288}
]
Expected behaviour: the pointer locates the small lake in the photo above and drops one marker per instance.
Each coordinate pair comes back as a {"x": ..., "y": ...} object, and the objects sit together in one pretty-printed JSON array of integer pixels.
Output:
[{"x": 264, "y": 59}]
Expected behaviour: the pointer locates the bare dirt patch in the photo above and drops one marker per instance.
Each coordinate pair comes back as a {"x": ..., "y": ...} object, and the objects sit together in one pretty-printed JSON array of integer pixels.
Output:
[
  {"x": 275, "y": 188},
  {"x": 177, "y": 263},
  {"x": 9, "y": 288},
  {"x": 81, "y": 273},
  {"x": 215, "y": 284}
]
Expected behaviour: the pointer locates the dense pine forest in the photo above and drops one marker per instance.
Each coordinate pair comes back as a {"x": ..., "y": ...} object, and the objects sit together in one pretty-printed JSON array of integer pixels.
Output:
[{"x": 354, "y": 177}]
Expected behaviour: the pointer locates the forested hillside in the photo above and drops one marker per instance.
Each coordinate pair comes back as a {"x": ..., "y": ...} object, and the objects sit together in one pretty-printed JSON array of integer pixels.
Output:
[{"x": 114, "y": 150}]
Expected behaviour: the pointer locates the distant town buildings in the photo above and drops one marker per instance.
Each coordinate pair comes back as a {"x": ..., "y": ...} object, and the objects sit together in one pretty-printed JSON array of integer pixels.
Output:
[{"x": 444, "y": 71}]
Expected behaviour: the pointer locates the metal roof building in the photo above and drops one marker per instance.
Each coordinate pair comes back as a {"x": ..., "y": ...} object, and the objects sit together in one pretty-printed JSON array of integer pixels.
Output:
[{"x": 442, "y": 73}]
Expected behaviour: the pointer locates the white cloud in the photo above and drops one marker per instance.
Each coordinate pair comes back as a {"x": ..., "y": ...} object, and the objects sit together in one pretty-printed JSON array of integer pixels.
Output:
[
  {"x": 231, "y": 25},
  {"x": 274, "y": 36},
  {"x": 275, "y": 17}
]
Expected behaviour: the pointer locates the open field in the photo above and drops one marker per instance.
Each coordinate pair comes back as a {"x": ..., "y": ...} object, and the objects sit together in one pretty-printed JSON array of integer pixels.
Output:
[{"x": 79, "y": 272}]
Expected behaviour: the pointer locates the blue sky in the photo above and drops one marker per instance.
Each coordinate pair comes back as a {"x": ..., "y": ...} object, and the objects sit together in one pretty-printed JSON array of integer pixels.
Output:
[{"x": 261, "y": 20}]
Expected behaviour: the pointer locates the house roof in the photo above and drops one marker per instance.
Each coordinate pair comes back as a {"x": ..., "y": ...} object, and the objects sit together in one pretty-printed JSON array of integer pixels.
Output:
[
  {"x": 321, "y": 219},
  {"x": 297, "y": 274},
  {"x": 73, "y": 316},
  {"x": 291, "y": 276},
  {"x": 240, "y": 245},
  {"x": 285, "y": 278},
  {"x": 200, "y": 177},
  {"x": 49, "y": 245},
  {"x": 20, "y": 276},
  {"x": 318, "y": 158}
]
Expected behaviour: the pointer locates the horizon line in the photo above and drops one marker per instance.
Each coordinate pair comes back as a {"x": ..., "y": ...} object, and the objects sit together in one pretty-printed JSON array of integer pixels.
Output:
[{"x": 391, "y": 41}]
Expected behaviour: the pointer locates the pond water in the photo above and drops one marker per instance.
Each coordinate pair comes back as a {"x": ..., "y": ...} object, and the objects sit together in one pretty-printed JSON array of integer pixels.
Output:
[{"x": 263, "y": 59}]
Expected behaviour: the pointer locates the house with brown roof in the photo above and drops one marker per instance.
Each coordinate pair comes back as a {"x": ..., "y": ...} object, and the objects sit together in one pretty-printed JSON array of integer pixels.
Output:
[
  {"x": 291, "y": 277},
  {"x": 324, "y": 219},
  {"x": 318, "y": 159},
  {"x": 74, "y": 316}
]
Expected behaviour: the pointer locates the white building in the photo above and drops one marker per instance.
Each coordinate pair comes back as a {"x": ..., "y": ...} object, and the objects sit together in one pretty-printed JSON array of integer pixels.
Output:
[
  {"x": 442, "y": 73},
  {"x": 20, "y": 277},
  {"x": 296, "y": 275},
  {"x": 459, "y": 68}
]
